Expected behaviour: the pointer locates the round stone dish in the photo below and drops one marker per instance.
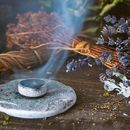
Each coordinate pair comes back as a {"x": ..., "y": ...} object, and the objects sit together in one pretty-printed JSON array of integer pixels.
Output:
[
  {"x": 32, "y": 87},
  {"x": 58, "y": 99}
]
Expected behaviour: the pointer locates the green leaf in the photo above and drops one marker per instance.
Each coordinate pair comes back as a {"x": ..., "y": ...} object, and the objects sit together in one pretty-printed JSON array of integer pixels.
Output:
[
  {"x": 91, "y": 30},
  {"x": 93, "y": 18},
  {"x": 95, "y": 8}
]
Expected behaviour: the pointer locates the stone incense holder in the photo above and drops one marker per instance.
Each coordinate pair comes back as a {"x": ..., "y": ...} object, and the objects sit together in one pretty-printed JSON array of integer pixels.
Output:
[
  {"x": 32, "y": 87},
  {"x": 35, "y": 98}
]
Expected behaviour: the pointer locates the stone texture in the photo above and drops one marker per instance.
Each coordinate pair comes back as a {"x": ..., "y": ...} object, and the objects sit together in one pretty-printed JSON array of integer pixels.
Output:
[
  {"x": 32, "y": 87},
  {"x": 58, "y": 99}
]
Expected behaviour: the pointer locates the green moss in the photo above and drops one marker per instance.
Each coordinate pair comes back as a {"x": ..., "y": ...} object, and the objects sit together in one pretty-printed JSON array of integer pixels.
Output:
[{"x": 6, "y": 119}]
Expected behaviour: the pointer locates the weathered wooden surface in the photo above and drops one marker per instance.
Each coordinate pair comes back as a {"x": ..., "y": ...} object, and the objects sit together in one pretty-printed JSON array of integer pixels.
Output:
[{"x": 92, "y": 111}]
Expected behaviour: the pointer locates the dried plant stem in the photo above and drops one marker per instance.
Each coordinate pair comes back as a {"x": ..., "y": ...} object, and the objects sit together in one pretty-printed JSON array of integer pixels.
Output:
[
  {"x": 34, "y": 56},
  {"x": 92, "y": 50}
]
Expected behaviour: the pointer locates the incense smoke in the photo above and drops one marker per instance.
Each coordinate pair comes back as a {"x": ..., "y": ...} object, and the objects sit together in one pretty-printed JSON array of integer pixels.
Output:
[{"x": 73, "y": 13}]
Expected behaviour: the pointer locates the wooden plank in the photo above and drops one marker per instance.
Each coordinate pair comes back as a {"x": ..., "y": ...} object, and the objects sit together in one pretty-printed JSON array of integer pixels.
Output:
[{"x": 92, "y": 110}]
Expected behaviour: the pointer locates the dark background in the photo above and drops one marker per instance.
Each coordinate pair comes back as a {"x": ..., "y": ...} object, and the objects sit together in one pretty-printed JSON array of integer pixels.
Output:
[
  {"x": 8, "y": 12},
  {"x": 10, "y": 8}
]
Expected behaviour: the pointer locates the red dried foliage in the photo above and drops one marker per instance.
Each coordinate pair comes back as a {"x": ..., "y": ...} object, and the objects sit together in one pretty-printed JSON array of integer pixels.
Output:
[{"x": 34, "y": 29}]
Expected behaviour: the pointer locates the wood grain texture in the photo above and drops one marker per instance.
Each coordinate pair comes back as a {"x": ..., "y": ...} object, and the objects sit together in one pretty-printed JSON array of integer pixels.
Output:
[{"x": 92, "y": 111}]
